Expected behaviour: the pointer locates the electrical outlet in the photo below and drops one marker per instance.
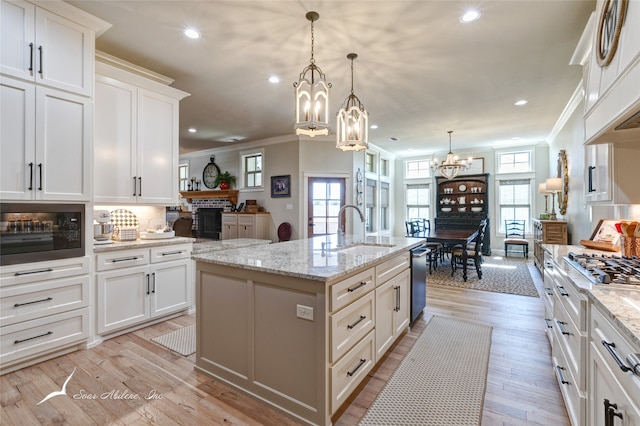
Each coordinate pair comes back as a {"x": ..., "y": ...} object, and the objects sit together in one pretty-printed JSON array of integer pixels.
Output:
[{"x": 304, "y": 312}]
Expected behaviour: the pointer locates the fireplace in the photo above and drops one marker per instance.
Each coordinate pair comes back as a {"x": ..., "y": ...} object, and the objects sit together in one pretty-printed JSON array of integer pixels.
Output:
[{"x": 209, "y": 222}]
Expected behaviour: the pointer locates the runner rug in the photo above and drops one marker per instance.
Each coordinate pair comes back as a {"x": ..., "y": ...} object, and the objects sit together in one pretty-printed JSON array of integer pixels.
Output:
[
  {"x": 182, "y": 340},
  {"x": 441, "y": 381},
  {"x": 499, "y": 275}
]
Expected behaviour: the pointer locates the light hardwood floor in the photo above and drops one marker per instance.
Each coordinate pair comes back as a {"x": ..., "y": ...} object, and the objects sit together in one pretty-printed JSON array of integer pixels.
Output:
[{"x": 521, "y": 387}]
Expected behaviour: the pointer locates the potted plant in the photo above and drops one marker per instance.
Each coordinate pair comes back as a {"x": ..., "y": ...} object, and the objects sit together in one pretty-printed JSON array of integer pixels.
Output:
[{"x": 225, "y": 180}]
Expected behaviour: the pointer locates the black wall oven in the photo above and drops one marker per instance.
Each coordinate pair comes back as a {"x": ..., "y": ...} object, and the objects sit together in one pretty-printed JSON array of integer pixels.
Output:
[{"x": 32, "y": 232}]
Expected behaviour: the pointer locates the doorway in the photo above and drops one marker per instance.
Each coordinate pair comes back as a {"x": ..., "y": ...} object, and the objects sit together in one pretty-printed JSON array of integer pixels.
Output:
[{"x": 326, "y": 196}]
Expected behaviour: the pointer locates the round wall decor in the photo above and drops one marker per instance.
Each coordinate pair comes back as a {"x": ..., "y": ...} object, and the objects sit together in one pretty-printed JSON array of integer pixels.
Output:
[
  {"x": 610, "y": 24},
  {"x": 210, "y": 173}
]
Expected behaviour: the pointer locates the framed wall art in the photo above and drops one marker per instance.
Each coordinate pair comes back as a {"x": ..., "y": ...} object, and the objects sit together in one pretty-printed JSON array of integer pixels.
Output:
[{"x": 280, "y": 186}]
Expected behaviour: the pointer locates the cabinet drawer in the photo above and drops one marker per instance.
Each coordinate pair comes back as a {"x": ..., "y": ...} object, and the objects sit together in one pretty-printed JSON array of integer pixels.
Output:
[
  {"x": 229, "y": 219},
  {"x": 568, "y": 296},
  {"x": 40, "y": 271},
  {"x": 603, "y": 330},
  {"x": 350, "y": 370},
  {"x": 351, "y": 324},
  {"x": 31, "y": 338},
  {"x": 574, "y": 400},
  {"x": 574, "y": 344},
  {"x": 246, "y": 220},
  {"x": 30, "y": 301},
  {"x": 122, "y": 259},
  {"x": 350, "y": 289},
  {"x": 171, "y": 252},
  {"x": 392, "y": 267}
]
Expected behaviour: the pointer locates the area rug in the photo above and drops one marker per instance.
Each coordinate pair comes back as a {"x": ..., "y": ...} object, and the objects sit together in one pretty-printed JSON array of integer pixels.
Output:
[
  {"x": 182, "y": 340},
  {"x": 441, "y": 381},
  {"x": 500, "y": 275}
]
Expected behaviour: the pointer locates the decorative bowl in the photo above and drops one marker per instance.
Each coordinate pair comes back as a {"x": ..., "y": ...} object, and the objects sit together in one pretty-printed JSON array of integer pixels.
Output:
[
  {"x": 462, "y": 209},
  {"x": 446, "y": 209},
  {"x": 476, "y": 209}
]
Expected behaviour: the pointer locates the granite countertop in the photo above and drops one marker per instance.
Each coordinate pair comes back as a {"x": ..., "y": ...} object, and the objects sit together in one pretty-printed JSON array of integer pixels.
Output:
[
  {"x": 200, "y": 247},
  {"x": 123, "y": 245},
  {"x": 316, "y": 258},
  {"x": 622, "y": 303}
]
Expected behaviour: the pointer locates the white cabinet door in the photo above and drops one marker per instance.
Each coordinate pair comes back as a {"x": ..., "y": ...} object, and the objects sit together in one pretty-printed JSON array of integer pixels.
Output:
[
  {"x": 41, "y": 46},
  {"x": 392, "y": 311},
  {"x": 157, "y": 150},
  {"x": 401, "y": 317},
  {"x": 47, "y": 158},
  {"x": 229, "y": 226},
  {"x": 598, "y": 172},
  {"x": 170, "y": 287},
  {"x": 17, "y": 139},
  {"x": 114, "y": 149},
  {"x": 123, "y": 298},
  {"x": 63, "y": 136},
  {"x": 246, "y": 226}
]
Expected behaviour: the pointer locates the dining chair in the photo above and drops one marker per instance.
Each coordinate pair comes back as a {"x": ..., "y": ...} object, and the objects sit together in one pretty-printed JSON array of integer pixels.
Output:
[
  {"x": 474, "y": 252},
  {"x": 515, "y": 236},
  {"x": 421, "y": 228}
]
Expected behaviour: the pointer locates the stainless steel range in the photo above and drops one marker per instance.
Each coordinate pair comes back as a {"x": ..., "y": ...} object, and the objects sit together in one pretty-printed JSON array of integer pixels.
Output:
[{"x": 606, "y": 269}]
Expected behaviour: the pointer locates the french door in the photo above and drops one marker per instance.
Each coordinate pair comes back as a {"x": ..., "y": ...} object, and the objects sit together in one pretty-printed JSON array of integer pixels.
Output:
[{"x": 326, "y": 196}]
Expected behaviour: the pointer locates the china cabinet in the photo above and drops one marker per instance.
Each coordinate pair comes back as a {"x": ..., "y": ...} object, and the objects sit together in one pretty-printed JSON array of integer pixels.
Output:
[
  {"x": 135, "y": 137},
  {"x": 462, "y": 203}
]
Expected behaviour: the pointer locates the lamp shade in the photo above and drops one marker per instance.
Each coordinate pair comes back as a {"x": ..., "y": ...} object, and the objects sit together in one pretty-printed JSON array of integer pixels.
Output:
[
  {"x": 542, "y": 188},
  {"x": 554, "y": 184}
]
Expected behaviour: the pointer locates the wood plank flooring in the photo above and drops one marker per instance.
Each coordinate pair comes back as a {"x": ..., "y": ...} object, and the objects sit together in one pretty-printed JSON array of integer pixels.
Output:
[{"x": 521, "y": 387}]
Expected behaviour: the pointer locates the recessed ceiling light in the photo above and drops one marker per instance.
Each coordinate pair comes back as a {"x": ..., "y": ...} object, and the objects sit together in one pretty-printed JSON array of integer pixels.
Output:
[
  {"x": 374, "y": 126},
  {"x": 192, "y": 33},
  {"x": 274, "y": 79},
  {"x": 393, "y": 138},
  {"x": 192, "y": 130},
  {"x": 521, "y": 102},
  {"x": 470, "y": 16}
]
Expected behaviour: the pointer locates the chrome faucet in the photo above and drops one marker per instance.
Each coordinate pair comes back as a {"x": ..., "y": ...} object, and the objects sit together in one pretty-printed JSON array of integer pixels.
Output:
[{"x": 341, "y": 232}]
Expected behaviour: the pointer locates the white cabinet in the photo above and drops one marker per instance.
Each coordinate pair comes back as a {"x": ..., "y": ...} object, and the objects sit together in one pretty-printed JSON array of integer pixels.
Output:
[
  {"x": 138, "y": 285},
  {"x": 46, "y": 48},
  {"x": 614, "y": 393},
  {"x": 44, "y": 311},
  {"x": 44, "y": 143},
  {"x": 46, "y": 84},
  {"x": 135, "y": 137},
  {"x": 246, "y": 225},
  {"x": 392, "y": 311},
  {"x": 608, "y": 170}
]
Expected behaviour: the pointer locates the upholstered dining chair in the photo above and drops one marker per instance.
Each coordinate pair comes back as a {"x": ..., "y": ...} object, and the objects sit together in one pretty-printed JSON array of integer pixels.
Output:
[
  {"x": 182, "y": 227},
  {"x": 514, "y": 236},
  {"x": 474, "y": 252}
]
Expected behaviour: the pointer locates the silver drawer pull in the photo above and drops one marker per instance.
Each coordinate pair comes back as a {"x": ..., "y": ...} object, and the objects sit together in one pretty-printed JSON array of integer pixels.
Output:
[
  {"x": 548, "y": 291},
  {"x": 362, "y": 284},
  {"x": 358, "y": 321},
  {"x": 561, "y": 374},
  {"x": 612, "y": 352},
  {"x": 562, "y": 291},
  {"x": 172, "y": 253},
  {"x": 39, "y": 271},
  {"x": 17, "y": 305},
  {"x": 352, "y": 372},
  {"x": 48, "y": 333},
  {"x": 548, "y": 321}
]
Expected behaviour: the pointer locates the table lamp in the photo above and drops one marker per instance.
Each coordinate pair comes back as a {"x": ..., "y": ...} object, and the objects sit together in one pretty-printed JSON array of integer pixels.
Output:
[
  {"x": 542, "y": 189},
  {"x": 553, "y": 185}
]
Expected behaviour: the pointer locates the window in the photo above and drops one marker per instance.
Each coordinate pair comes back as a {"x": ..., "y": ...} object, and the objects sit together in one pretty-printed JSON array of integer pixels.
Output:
[
  {"x": 384, "y": 206},
  {"x": 514, "y": 162},
  {"x": 384, "y": 167},
  {"x": 418, "y": 169},
  {"x": 252, "y": 170},
  {"x": 514, "y": 198},
  {"x": 370, "y": 197},
  {"x": 183, "y": 177},
  {"x": 418, "y": 197},
  {"x": 370, "y": 163}
]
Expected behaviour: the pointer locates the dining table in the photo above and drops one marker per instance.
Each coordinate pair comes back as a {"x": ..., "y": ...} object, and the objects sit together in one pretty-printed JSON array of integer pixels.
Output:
[{"x": 453, "y": 237}]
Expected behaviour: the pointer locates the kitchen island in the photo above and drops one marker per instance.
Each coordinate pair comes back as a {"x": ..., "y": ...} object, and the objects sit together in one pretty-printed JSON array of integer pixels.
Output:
[{"x": 299, "y": 324}]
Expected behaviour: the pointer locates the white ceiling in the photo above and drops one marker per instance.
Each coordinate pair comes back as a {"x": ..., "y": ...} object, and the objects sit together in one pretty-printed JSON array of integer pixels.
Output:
[{"x": 419, "y": 71}]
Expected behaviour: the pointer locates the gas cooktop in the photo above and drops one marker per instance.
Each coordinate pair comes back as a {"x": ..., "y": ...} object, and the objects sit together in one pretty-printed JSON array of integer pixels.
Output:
[{"x": 606, "y": 269}]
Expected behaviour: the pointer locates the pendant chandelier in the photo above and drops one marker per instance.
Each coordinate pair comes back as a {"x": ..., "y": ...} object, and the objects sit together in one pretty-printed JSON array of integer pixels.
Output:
[
  {"x": 451, "y": 167},
  {"x": 312, "y": 96},
  {"x": 353, "y": 121}
]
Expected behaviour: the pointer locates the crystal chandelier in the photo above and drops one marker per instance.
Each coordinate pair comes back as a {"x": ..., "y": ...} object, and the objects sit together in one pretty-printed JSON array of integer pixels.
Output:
[
  {"x": 312, "y": 96},
  {"x": 352, "y": 132},
  {"x": 451, "y": 167}
]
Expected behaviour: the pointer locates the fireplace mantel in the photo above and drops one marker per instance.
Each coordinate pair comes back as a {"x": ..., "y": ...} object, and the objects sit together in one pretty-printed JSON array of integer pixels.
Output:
[{"x": 231, "y": 194}]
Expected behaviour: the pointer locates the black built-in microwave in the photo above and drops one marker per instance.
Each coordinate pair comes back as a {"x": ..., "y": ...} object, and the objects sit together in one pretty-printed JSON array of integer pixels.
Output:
[{"x": 35, "y": 232}]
